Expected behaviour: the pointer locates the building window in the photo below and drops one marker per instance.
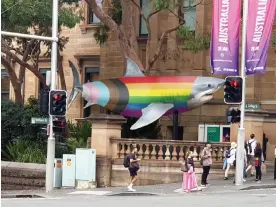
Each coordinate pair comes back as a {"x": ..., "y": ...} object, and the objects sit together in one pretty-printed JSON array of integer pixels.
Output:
[
  {"x": 145, "y": 8},
  {"x": 5, "y": 85},
  {"x": 43, "y": 72},
  {"x": 92, "y": 19},
  {"x": 190, "y": 14},
  {"x": 91, "y": 74}
]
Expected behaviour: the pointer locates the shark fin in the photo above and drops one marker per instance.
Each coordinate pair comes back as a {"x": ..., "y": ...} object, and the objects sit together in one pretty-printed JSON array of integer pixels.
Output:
[
  {"x": 151, "y": 113},
  {"x": 77, "y": 87},
  {"x": 89, "y": 104},
  {"x": 132, "y": 69}
]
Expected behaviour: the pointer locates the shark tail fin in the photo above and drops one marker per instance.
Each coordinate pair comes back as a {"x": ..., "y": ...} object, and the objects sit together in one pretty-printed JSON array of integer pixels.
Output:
[{"x": 77, "y": 87}]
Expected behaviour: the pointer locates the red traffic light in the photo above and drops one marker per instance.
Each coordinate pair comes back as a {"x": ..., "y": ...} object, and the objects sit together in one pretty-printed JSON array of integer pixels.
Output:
[
  {"x": 62, "y": 123},
  {"x": 59, "y": 123},
  {"x": 234, "y": 83},
  {"x": 57, "y": 97}
]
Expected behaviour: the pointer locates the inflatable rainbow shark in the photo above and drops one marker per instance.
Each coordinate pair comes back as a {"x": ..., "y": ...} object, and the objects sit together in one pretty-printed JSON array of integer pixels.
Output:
[{"x": 147, "y": 98}]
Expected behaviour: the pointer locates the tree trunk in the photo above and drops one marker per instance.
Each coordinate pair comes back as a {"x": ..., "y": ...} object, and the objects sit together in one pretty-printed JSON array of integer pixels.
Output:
[
  {"x": 61, "y": 72},
  {"x": 14, "y": 80},
  {"x": 126, "y": 47}
]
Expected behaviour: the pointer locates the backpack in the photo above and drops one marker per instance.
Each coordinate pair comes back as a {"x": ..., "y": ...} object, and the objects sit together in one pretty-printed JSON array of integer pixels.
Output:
[
  {"x": 227, "y": 154},
  {"x": 250, "y": 146},
  {"x": 126, "y": 161}
]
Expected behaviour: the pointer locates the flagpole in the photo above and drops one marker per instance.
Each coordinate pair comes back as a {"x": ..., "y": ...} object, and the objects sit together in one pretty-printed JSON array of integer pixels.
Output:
[{"x": 241, "y": 131}]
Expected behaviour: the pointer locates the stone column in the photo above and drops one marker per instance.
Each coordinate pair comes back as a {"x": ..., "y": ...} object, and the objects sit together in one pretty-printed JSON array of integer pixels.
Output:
[{"x": 104, "y": 127}]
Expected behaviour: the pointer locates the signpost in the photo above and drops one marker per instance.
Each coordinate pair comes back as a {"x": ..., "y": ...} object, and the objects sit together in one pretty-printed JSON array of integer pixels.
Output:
[
  {"x": 39, "y": 120},
  {"x": 252, "y": 106}
]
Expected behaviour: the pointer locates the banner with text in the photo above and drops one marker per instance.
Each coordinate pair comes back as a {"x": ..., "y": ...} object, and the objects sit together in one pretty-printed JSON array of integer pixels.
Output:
[
  {"x": 225, "y": 37},
  {"x": 260, "y": 20}
]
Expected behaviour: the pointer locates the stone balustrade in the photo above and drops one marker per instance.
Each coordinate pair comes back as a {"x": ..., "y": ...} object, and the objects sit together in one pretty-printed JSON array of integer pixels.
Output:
[{"x": 165, "y": 149}]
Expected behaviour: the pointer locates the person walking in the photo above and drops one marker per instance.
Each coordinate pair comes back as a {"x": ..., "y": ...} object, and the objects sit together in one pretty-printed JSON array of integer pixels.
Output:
[
  {"x": 251, "y": 145},
  {"x": 133, "y": 167},
  {"x": 230, "y": 159},
  {"x": 259, "y": 159},
  {"x": 206, "y": 161}
]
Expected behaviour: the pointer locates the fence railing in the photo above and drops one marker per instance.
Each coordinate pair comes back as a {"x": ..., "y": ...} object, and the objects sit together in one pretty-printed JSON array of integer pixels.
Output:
[{"x": 165, "y": 149}]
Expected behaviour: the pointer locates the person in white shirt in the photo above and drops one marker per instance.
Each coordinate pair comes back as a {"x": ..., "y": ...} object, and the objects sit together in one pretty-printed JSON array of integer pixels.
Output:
[
  {"x": 230, "y": 158},
  {"x": 251, "y": 145}
]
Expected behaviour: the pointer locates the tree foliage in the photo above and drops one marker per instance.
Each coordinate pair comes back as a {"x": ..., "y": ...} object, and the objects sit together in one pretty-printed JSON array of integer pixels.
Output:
[
  {"x": 16, "y": 121},
  {"x": 118, "y": 18},
  {"x": 33, "y": 17}
]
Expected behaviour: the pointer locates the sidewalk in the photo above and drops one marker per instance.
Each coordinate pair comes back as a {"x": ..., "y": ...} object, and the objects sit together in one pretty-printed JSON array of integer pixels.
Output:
[{"x": 215, "y": 187}]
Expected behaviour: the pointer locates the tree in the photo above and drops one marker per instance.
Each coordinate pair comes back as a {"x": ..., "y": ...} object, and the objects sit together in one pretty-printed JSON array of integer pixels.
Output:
[
  {"x": 33, "y": 16},
  {"x": 118, "y": 19}
]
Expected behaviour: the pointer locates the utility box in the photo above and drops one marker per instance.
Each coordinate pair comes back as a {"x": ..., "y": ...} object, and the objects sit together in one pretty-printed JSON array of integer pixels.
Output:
[
  {"x": 57, "y": 173},
  {"x": 85, "y": 168},
  {"x": 68, "y": 170}
]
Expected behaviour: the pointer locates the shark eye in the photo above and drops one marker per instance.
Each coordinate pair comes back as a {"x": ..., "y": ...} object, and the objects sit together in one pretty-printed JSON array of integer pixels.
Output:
[{"x": 209, "y": 85}]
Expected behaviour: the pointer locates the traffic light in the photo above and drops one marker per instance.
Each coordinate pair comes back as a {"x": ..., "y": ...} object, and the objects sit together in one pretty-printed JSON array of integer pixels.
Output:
[
  {"x": 44, "y": 101},
  {"x": 59, "y": 126},
  {"x": 233, "y": 90},
  {"x": 235, "y": 116},
  {"x": 57, "y": 100}
]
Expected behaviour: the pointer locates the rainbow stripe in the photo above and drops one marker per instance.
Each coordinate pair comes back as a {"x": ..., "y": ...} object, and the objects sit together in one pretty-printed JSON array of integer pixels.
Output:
[
  {"x": 146, "y": 90},
  {"x": 129, "y": 95}
]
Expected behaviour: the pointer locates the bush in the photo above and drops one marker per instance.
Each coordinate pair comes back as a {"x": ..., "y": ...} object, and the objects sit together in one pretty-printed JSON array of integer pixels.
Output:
[
  {"x": 25, "y": 150},
  {"x": 78, "y": 135},
  {"x": 16, "y": 121}
]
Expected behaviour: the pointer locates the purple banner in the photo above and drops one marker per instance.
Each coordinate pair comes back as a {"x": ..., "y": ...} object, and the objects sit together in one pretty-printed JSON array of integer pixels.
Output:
[
  {"x": 260, "y": 20},
  {"x": 225, "y": 37}
]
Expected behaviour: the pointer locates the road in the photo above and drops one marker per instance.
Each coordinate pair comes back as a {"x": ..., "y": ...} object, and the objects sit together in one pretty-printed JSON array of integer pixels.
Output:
[{"x": 252, "y": 198}]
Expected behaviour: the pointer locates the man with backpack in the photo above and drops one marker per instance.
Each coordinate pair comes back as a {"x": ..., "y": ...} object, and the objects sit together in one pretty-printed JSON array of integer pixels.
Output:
[
  {"x": 251, "y": 145},
  {"x": 131, "y": 162}
]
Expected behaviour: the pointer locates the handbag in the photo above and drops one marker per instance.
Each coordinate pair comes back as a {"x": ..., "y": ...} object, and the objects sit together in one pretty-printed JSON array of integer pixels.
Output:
[
  {"x": 201, "y": 161},
  {"x": 184, "y": 167},
  {"x": 257, "y": 162}
]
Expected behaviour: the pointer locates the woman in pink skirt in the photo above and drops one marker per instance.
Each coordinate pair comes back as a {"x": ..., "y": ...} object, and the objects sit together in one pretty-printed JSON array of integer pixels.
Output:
[{"x": 189, "y": 177}]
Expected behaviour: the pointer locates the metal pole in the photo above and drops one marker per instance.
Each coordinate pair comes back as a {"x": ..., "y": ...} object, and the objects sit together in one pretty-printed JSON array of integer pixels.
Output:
[
  {"x": 51, "y": 139},
  {"x": 275, "y": 164},
  {"x": 241, "y": 131},
  {"x": 175, "y": 125},
  {"x": 13, "y": 34}
]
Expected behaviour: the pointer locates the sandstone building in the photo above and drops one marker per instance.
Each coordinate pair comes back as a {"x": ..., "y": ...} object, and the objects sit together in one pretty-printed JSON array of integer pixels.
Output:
[{"x": 105, "y": 61}]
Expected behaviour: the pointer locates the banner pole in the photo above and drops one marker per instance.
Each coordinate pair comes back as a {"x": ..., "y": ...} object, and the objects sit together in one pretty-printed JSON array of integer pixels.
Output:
[{"x": 239, "y": 175}]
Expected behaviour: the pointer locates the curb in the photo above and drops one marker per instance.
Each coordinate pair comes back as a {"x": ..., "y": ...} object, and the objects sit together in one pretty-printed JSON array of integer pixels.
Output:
[
  {"x": 135, "y": 194},
  {"x": 21, "y": 196},
  {"x": 256, "y": 187}
]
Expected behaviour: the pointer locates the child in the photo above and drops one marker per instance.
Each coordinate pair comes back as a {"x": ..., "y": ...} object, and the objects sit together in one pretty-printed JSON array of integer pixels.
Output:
[{"x": 189, "y": 177}]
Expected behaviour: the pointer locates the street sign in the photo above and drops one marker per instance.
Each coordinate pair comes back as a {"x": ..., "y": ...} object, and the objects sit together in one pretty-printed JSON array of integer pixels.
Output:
[
  {"x": 39, "y": 120},
  {"x": 252, "y": 106}
]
